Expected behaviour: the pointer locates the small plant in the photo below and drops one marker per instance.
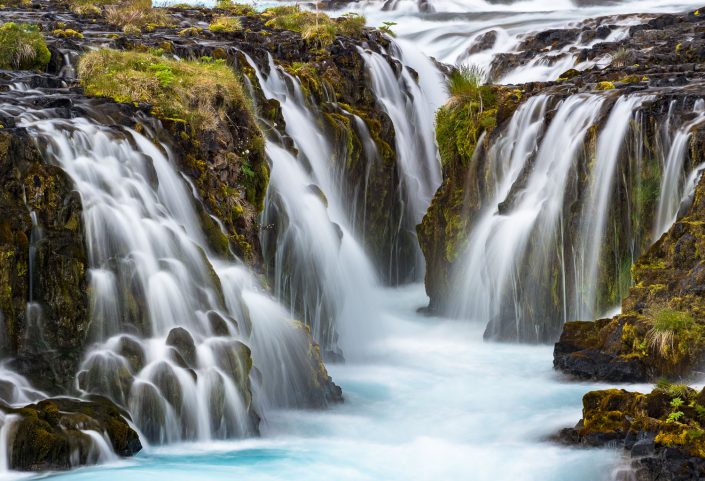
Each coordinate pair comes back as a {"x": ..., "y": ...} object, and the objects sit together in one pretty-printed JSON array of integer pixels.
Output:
[
  {"x": 668, "y": 324},
  {"x": 387, "y": 28},
  {"x": 131, "y": 29},
  {"x": 465, "y": 81},
  {"x": 675, "y": 416},
  {"x": 225, "y": 24},
  {"x": 22, "y": 47},
  {"x": 620, "y": 57}
]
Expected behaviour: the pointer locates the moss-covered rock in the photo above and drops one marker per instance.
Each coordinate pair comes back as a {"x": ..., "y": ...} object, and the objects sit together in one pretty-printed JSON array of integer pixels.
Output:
[
  {"x": 22, "y": 47},
  {"x": 47, "y": 340},
  {"x": 50, "y": 435},
  {"x": 661, "y": 431}
]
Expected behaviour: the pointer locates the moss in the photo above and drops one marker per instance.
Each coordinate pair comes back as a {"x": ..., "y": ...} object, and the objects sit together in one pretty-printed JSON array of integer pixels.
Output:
[
  {"x": 198, "y": 92},
  {"x": 225, "y": 24},
  {"x": 22, "y": 47},
  {"x": 190, "y": 32},
  {"x": 67, "y": 33},
  {"x": 605, "y": 86},
  {"x": 316, "y": 28},
  {"x": 240, "y": 9}
]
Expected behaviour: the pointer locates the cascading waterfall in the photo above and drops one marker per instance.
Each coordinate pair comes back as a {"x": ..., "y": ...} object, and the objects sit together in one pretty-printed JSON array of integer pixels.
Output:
[
  {"x": 411, "y": 108},
  {"x": 675, "y": 185},
  {"x": 170, "y": 323},
  {"x": 524, "y": 239},
  {"x": 568, "y": 216},
  {"x": 318, "y": 253},
  {"x": 597, "y": 205}
]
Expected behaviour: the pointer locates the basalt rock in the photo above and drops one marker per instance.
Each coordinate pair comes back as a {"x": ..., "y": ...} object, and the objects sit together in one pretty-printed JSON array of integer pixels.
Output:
[
  {"x": 43, "y": 270},
  {"x": 660, "y": 433},
  {"x": 51, "y": 435}
]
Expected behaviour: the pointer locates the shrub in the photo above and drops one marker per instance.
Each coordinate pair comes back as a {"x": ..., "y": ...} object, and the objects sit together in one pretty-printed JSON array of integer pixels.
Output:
[
  {"x": 225, "y": 24},
  {"x": 22, "y": 47},
  {"x": 197, "y": 92}
]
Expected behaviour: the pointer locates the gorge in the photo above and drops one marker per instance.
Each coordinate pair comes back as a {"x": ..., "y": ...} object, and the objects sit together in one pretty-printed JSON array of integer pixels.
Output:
[{"x": 339, "y": 241}]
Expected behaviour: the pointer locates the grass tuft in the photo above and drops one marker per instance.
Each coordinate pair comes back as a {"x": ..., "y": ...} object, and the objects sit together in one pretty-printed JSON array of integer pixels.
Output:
[{"x": 22, "y": 47}]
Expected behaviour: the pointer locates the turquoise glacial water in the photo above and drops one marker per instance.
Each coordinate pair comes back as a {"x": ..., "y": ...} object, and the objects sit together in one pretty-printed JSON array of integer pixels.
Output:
[{"x": 431, "y": 401}]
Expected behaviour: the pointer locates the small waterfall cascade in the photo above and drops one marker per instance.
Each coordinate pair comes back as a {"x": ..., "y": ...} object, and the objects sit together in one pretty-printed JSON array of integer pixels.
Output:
[
  {"x": 675, "y": 183},
  {"x": 575, "y": 201},
  {"x": 411, "y": 106},
  {"x": 171, "y": 326},
  {"x": 319, "y": 265}
]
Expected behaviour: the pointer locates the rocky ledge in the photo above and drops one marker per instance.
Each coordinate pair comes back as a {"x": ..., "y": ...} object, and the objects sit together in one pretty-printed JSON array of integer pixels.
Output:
[{"x": 661, "y": 432}]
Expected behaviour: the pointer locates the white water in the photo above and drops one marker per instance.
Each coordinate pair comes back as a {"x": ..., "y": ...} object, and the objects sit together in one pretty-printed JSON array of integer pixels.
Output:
[
  {"x": 150, "y": 274},
  {"x": 431, "y": 402},
  {"x": 450, "y": 27}
]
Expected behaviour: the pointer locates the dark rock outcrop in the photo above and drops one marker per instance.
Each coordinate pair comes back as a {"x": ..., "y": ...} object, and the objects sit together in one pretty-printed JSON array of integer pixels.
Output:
[
  {"x": 660, "y": 432},
  {"x": 51, "y": 435}
]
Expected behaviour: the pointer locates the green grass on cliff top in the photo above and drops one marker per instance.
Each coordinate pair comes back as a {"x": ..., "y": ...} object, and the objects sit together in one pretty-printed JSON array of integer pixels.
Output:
[{"x": 198, "y": 92}]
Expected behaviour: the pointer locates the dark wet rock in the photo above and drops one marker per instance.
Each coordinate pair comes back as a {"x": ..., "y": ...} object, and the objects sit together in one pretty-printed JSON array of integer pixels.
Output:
[
  {"x": 50, "y": 435},
  {"x": 484, "y": 42},
  {"x": 183, "y": 342}
]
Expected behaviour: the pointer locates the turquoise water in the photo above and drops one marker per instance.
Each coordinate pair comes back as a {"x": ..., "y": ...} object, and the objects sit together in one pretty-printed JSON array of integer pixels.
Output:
[{"x": 431, "y": 401}]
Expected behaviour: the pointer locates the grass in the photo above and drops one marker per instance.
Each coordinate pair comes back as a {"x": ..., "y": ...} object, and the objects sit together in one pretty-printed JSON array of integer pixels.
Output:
[
  {"x": 197, "y": 92},
  {"x": 225, "y": 24},
  {"x": 127, "y": 14},
  {"x": 316, "y": 28},
  {"x": 22, "y": 47},
  {"x": 465, "y": 81},
  {"x": 668, "y": 325},
  {"x": 240, "y": 9}
]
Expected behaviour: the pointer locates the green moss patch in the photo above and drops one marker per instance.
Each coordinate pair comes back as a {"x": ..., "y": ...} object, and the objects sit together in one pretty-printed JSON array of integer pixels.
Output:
[{"x": 197, "y": 92}]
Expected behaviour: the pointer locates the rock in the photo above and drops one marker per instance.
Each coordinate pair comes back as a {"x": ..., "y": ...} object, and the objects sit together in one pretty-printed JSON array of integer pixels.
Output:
[
  {"x": 182, "y": 341},
  {"x": 483, "y": 42},
  {"x": 49, "y": 435}
]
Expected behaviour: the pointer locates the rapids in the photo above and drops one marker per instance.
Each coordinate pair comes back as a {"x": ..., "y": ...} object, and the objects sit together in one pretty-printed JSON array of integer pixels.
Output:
[{"x": 431, "y": 402}]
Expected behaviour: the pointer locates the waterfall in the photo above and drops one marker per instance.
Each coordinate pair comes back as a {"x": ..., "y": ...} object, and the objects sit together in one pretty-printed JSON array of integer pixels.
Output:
[
  {"x": 574, "y": 201},
  {"x": 502, "y": 247},
  {"x": 674, "y": 184},
  {"x": 171, "y": 329},
  {"x": 597, "y": 205},
  {"x": 411, "y": 108}
]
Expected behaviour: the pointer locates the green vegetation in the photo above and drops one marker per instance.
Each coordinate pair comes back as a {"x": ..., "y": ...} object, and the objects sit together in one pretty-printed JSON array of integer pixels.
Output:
[
  {"x": 316, "y": 28},
  {"x": 190, "y": 32},
  {"x": 675, "y": 414},
  {"x": 225, "y": 24},
  {"x": 196, "y": 92},
  {"x": 605, "y": 86},
  {"x": 127, "y": 14},
  {"x": 67, "y": 33},
  {"x": 465, "y": 81},
  {"x": 240, "y": 9},
  {"x": 22, "y": 47},
  {"x": 386, "y": 27},
  {"x": 620, "y": 57}
]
